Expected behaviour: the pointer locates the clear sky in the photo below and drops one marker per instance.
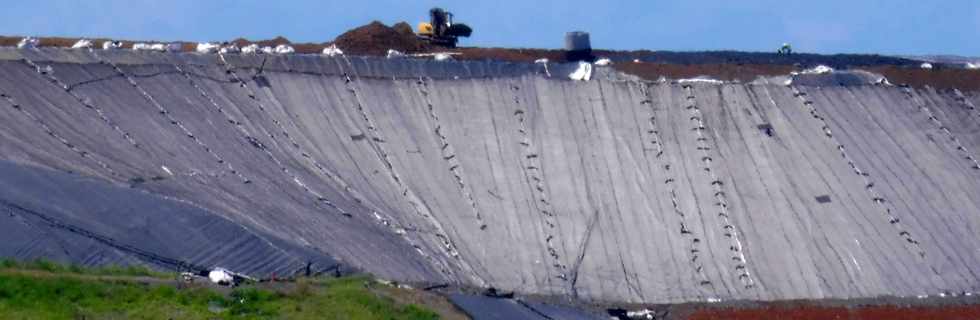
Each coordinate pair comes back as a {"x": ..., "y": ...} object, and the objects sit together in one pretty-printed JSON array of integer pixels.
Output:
[{"x": 823, "y": 26}]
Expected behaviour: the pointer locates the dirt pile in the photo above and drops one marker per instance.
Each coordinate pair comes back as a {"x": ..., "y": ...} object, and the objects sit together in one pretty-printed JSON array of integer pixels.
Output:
[
  {"x": 273, "y": 42},
  {"x": 376, "y": 38}
]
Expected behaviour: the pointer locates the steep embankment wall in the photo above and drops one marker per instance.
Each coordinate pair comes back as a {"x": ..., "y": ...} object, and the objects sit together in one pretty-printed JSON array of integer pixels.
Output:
[{"x": 493, "y": 174}]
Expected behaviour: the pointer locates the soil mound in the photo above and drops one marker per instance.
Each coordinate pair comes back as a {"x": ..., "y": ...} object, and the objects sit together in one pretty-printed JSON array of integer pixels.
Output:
[
  {"x": 273, "y": 42},
  {"x": 376, "y": 38}
]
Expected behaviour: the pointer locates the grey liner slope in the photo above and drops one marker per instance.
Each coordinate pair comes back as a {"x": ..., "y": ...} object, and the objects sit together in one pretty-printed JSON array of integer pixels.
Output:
[{"x": 422, "y": 155}]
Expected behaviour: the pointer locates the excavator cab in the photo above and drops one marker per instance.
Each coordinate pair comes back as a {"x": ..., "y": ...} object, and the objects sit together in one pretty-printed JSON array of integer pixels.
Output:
[
  {"x": 441, "y": 30},
  {"x": 425, "y": 29}
]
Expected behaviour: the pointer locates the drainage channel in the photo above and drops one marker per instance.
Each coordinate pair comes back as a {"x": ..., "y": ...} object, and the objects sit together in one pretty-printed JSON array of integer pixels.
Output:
[
  {"x": 448, "y": 152},
  {"x": 377, "y": 142},
  {"x": 670, "y": 182},
  {"x": 532, "y": 173},
  {"x": 876, "y": 197},
  {"x": 47, "y": 129},
  {"x": 163, "y": 111},
  {"x": 731, "y": 232}
]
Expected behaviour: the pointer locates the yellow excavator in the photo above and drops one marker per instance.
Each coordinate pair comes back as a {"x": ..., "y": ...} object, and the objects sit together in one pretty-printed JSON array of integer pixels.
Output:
[{"x": 441, "y": 30}]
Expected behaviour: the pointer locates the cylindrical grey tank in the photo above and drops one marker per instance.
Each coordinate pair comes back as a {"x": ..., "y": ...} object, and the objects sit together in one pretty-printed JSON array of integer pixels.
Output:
[{"x": 577, "y": 41}]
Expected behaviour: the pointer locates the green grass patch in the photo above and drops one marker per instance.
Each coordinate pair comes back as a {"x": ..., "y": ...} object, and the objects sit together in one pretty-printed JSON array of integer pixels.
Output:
[
  {"x": 112, "y": 270},
  {"x": 56, "y": 292}
]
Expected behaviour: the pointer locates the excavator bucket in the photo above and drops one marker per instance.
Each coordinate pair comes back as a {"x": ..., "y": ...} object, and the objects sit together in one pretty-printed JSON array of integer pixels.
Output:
[{"x": 459, "y": 30}]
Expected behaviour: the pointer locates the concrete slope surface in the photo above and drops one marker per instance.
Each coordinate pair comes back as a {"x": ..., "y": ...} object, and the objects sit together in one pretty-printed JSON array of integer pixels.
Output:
[{"x": 495, "y": 174}]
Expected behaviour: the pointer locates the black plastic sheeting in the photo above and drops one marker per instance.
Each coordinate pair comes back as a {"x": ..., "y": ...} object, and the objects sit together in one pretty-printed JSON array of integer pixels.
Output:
[
  {"x": 491, "y": 308},
  {"x": 67, "y": 217}
]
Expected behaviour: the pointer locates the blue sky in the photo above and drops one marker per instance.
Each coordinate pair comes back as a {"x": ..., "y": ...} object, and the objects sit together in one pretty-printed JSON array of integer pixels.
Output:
[{"x": 826, "y": 26}]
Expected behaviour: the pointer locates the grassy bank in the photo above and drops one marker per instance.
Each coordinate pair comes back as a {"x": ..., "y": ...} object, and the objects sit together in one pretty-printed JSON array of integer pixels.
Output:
[
  {"x": 58, "y": 268},
  {"x": 30, "y": 291}
]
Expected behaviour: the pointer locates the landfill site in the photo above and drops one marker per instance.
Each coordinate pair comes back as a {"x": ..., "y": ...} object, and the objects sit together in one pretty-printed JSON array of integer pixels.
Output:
[{"x": 572, "y": 183}]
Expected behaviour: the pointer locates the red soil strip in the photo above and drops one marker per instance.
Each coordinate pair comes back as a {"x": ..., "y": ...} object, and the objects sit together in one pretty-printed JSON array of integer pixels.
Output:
[
  {"x": 968, "y": 312},
  {"x": 964, "y": 79},
  {"x": 375, "y": 39},
  {"x": 727, "y": 72}
]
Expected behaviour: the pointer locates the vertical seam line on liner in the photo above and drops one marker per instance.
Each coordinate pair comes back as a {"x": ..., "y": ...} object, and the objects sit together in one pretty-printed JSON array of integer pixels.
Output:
[
  {"x": 531, "y": 166},
  {"x": 876, "y": 197},
  {"x": 449, "y": 152},
  {"x": 163, "y": 111},
  {"x": 731, "y": 231},
  {"x": 670, "y": 182},
  {"x": 376, "y": 144}
]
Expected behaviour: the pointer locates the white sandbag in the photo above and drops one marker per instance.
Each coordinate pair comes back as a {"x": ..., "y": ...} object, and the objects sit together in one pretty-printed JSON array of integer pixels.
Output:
[
  {"x": 112, "y": 45},
  {"x": 175, "y": 47},
  {"x": 821, "y": 69},
  {"x": 285, "y": 49},
  {"x": 332, "y": 51},
  {"x": 28, "y": 43},
  {"x": 82, "y": 44},
  {"x": 207, "y": 47},
  {"x": 230, "y": 49},
  {"x": 251, "y": 49},
  {"x": 221, "y": 276},
  {"x": 392, "y": 54},
  {"x": 582, "y": 73},
  {"x": 442, "y": 57},
  {"x": 701, "y": 80}
]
